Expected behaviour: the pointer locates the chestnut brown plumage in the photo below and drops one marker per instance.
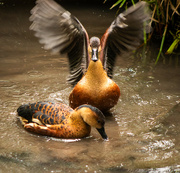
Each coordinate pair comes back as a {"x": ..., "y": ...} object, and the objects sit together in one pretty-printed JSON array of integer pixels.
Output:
[
  {"x": 59, "y": 120},
  {"x": 89, "y": 60}
]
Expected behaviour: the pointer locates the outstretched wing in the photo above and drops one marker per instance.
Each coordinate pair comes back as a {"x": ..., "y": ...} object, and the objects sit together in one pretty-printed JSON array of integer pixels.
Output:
[
  {"x": 61, "y": 32},
  {"x": 124, "y": 34}
]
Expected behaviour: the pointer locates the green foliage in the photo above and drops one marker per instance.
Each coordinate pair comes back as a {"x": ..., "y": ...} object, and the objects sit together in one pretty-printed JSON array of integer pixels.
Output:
[{"x": 175, "y": 43}]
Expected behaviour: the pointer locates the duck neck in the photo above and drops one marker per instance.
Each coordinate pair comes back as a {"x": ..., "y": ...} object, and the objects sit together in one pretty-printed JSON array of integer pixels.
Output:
[
  {"x": 96, "y": 73},
  {"x": 85, "y": 113},
  {"x": 77, "y": 120},
  {"x": 78, "y": 127}
]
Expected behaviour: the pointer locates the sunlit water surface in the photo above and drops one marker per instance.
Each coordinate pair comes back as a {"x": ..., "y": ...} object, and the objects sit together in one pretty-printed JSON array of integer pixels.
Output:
[{"x": 143, "y": 128}]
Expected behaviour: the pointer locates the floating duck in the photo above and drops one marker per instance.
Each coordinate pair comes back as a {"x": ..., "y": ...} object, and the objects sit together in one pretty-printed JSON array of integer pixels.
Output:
[
  {"x": 91, "y": 61},
  {"x": 59, "y": 120}
]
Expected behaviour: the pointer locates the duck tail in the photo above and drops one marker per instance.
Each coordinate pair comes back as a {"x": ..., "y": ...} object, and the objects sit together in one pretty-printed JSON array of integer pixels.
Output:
[{"x": 26, "y": 111}]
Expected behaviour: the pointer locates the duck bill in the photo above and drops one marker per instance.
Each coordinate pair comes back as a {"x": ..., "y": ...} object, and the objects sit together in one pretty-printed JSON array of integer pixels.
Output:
[
  {"x": 102, "y": 133},
  {"x": 94, "y": 54}
]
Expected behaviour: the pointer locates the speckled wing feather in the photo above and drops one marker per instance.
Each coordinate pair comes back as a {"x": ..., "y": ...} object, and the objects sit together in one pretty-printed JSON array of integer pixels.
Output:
[
  {"x": 61, "y": 32},
  {"x": 45, "y": 112},
  {"x": 124, "y": 34}
]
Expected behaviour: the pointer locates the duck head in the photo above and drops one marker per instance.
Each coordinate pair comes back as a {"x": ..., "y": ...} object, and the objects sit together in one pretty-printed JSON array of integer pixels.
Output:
[
  {"x": 93, "y": 117},
  {"x": 95, "y": 46}
]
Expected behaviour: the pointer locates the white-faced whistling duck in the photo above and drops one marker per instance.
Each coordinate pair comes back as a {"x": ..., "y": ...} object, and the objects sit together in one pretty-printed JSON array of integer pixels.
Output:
[
  {"x": 59, "y": 120},
  {"x": 91, "y": 61}
]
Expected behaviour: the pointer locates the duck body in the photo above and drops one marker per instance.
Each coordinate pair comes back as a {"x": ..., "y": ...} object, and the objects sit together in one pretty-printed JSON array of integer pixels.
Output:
[
  {"x": 95, "y": 88},
  {"x": 59, "y": 120}
]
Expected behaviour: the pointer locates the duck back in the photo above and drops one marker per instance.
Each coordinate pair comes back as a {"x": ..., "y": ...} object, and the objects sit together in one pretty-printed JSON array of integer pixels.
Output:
[
  {"x": 53, "y": 119},
  {"x": 47, "y": 112}
]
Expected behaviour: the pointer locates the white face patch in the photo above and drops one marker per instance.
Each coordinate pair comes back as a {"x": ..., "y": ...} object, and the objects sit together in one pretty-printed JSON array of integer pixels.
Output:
[{"x": 94, "y": 42}]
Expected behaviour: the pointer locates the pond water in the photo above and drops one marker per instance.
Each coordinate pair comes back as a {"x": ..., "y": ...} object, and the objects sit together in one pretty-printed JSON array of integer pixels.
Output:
[{"x": 143, "y": 128}]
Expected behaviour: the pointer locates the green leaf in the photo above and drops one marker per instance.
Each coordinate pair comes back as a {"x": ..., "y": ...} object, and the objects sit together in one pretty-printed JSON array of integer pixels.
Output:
[
  {"x": 118, "y": 2},
  {"x": 162, "y": 43},
  {"x": 122, "y": 3}
]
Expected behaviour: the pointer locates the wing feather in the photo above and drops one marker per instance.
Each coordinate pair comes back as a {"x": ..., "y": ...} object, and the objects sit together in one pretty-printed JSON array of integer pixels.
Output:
[
  {"x": 124, "y": 34},
  {"x": 61, "y": 32}
]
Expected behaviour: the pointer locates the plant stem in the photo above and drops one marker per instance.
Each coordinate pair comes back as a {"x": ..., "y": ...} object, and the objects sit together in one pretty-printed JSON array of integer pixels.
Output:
[{"x": 162, "y": 43}]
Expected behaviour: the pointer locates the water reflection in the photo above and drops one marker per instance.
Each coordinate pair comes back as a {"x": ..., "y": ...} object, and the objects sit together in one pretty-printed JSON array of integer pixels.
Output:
[{"x": 143, "y": 128}]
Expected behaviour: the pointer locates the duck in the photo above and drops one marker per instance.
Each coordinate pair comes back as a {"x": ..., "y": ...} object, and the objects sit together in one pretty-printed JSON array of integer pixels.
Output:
[
  {"x": 91, "y": 61},
  {"x": 61, "y": 121}
]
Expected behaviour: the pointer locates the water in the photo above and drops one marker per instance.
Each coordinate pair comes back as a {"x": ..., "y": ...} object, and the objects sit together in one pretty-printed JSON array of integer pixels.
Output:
[{"x": 143, "y": 128}]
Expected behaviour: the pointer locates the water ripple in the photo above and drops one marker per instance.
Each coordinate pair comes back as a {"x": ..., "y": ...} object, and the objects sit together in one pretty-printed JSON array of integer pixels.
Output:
[
  {"x": 162, "y": 145},
  {"x": 7, "y": 84},
  {"x": 34, "y": 73},
  {"x": 62, "y": 140}
]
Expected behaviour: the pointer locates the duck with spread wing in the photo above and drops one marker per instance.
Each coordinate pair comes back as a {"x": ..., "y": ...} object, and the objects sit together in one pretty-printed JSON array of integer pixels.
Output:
[{"x": 91, "y": 61}]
